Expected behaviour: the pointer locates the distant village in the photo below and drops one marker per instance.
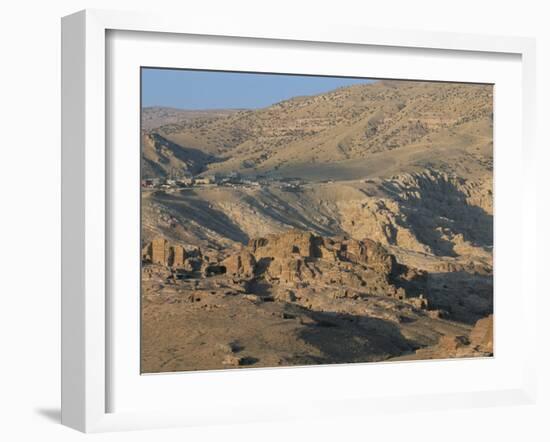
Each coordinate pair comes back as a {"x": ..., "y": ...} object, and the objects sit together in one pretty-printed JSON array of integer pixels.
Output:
[{"x": 233, "y": 179}]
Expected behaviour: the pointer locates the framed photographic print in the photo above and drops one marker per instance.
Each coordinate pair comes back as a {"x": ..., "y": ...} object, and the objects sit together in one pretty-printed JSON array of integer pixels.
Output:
[{"x": 273, "y": 223}]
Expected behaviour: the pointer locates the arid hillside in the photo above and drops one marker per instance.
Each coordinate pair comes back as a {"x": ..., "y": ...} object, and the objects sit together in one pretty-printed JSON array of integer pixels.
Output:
[
  {"x": 334, "y": 132},
  {"x": 161, "y": 157},
  {"x": 155, "y": 116},
  {"x": 279, "y": 212}
]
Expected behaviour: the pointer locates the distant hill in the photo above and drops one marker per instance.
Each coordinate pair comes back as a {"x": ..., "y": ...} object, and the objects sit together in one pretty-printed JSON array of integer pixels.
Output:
[
  {"x": 155, "y": 116},
  {"x": 417, "y": 123},
  {"x": 162, "y": 158}
]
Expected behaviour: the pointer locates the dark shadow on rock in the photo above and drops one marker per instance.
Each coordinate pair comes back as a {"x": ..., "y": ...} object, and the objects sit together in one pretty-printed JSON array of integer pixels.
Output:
[
  {"x": 284, "y": 213},
  {"x": 346, "y": 338},
  {"x": 195, "y": 159},
  {"x": 414, "y": 284},
  {"x": 259, "y": 286},
  {"x": 466, "y": 297},
  {"x": 437, "y": 207},
  {"x": 248, "y": 360},
  {"x": 194, "y": 208}
]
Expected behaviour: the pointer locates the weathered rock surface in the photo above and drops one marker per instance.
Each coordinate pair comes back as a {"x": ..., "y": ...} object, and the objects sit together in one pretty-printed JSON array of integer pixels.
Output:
[
  {"x": 481, "y": 337},
  {"x": 478, "y": 343},
  {"x": 241, "y": 264}
]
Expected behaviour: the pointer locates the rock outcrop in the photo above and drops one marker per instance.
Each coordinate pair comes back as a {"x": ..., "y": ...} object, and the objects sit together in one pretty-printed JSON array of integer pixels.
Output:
[
  {"x": 478, "y": 343},
  {"x": 481, "y": 337}
]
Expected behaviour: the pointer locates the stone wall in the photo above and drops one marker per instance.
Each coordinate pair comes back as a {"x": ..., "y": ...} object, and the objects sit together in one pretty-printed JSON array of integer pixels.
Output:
[{"x": 161, "y": 252}]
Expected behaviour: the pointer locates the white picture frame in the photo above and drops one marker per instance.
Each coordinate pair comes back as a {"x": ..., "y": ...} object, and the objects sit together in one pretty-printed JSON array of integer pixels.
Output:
[{"x": 86, "y": 357}]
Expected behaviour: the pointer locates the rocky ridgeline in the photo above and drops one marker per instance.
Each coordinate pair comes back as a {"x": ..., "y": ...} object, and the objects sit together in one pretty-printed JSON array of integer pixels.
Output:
[{"x": 298, "y": 266}]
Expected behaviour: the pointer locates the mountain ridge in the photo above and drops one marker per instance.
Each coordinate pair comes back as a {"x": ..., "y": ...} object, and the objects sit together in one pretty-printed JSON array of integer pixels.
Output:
[{"x": 349, "y": 123}]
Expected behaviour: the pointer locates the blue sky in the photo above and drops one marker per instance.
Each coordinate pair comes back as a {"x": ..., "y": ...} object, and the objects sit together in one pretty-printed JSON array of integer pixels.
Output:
[{"x": 216, "y": 90}]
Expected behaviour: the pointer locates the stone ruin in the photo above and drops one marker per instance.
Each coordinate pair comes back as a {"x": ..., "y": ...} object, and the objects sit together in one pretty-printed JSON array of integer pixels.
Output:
[
  {"x": 161, "y": 252},
  {"x": 298, "y": 261},
  {"x": 300, "y": 256}
]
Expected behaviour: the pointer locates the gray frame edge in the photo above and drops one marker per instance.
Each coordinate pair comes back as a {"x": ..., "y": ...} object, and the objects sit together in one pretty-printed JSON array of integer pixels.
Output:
[{"x": 73, "y": 132}]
